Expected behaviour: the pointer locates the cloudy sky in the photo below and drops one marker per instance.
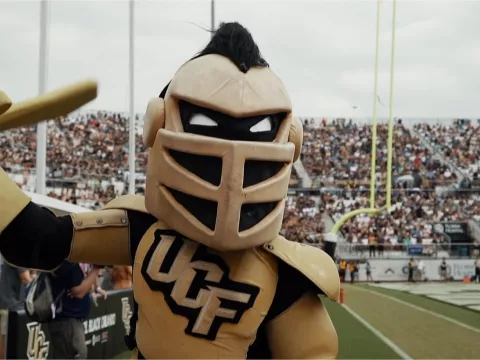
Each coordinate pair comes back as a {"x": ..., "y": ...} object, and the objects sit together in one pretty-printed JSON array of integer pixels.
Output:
[{"x": 323, "y": 50}]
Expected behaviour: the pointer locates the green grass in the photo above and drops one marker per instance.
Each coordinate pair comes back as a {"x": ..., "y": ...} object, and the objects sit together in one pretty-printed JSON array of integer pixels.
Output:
[
  {"x": 419, "y": 334},
  {"x": 462, "y": 314},
  {"x": 355, "y": 340}
]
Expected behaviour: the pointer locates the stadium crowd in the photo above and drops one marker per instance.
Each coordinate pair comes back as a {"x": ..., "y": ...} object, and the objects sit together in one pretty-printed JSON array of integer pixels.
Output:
[
  {"x": 87, "y": 160},
  {"x": 459, "y": 143}
]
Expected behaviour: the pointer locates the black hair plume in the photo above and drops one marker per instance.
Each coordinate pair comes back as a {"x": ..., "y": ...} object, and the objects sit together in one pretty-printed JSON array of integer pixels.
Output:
[{"x": 235, "y": 42}]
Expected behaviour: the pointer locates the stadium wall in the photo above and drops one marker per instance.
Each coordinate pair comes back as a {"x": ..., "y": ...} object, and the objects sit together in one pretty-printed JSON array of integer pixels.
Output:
[{"x": 397, "y": 270}]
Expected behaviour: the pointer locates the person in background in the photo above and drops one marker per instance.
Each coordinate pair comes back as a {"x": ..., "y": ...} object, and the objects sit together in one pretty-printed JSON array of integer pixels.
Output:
[
  {"x": 342, "y": 269},
  {"x": 421, "y": 270},
  {"x": 107, "y": 282},
  {"x": 368, "y": 269},
  {"x": 443, "y": 270},
  {"x": 12, "y": 290},
  {"x": 67, "y": 333},
  {"x": 477, "y": 270},
  {"x": 122, "y": 277},
  {"x": 351, "y": 269},
  {"x": 476, "y": 248},
  {"x": 372, "y": 244},
  {"x": 411, "y": 268},
  {"x": 356, "y": 270},
  {"x": 96, "y": 290}
]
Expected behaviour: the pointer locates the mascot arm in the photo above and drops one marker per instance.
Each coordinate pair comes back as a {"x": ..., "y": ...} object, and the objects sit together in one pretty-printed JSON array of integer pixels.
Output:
[
  {"x": 299, "y": 325},
  {"x": 110, "y": 236},
  {"x": 33, "y": 237}
]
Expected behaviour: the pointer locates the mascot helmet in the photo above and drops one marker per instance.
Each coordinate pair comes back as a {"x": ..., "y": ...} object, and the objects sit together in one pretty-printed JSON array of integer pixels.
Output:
[{"x": 222, "y": 142}]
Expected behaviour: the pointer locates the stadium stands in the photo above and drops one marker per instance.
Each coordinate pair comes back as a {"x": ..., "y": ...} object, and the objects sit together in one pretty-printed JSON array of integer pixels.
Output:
[{"x": 87, "y": 160}]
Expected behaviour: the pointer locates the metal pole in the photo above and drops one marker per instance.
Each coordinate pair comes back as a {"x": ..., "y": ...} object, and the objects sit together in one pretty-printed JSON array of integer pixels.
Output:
[
  {"x": 42, "y": 83},
  {"x": 132, "y": 132},
  {"x": 212, "y": 17},
  {"x": 373, "y": 165},
  {"x": 390, "y": 115}
]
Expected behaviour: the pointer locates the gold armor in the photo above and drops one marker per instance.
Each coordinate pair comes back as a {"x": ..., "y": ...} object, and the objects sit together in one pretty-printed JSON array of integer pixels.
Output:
[
  {"x": 247, "y": 279},
  {"x": 212, "y": 278}
]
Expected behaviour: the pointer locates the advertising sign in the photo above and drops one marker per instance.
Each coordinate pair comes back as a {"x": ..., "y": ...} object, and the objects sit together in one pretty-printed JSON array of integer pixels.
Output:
[
  {"x": 105, "y": 329},
  {"x": 456, "y": 231}
]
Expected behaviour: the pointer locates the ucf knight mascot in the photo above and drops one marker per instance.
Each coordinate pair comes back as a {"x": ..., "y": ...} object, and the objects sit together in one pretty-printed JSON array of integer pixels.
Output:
[{"x": 212, "y": 277}]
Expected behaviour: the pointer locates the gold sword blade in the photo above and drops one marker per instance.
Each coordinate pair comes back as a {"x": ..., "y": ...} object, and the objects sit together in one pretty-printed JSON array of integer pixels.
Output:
[{"x": 47, "y": 106}]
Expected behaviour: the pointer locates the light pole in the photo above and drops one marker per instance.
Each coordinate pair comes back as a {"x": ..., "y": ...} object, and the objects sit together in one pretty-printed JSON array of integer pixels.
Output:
[
  {"x": 212, "y": 17},
  {"x": 41, "y": 161},
  {"x": 132, "y": 133}
]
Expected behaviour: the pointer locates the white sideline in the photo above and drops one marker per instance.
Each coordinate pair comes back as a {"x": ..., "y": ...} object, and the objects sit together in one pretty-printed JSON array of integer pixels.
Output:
[
  {"x": 377, "y": 333},
  {"x": 446, "y": 318}
]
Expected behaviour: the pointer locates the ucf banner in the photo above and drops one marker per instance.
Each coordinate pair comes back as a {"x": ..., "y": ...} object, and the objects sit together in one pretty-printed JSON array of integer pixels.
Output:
[{"x": 105, "y": 329}]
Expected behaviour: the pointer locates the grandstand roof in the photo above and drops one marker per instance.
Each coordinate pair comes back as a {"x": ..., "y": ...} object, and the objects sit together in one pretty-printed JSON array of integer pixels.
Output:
[{"x": 57, "y": 206}]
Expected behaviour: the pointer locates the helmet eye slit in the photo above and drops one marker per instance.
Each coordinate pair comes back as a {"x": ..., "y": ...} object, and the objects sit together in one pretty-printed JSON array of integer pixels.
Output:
[
  {"x": 199, "y": 119},
  {"x": 206, "y": 122},
  {"x": 262, "y": 126}
]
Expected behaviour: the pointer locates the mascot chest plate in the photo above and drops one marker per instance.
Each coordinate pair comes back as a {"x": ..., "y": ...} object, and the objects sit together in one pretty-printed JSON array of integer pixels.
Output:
[{"x": 194, "y": 301}]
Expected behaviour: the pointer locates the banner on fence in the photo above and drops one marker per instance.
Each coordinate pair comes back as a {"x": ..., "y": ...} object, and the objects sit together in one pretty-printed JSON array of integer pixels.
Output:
[
  {"x": 397, "y": 270},
  {"x": 105, "y": 329}
]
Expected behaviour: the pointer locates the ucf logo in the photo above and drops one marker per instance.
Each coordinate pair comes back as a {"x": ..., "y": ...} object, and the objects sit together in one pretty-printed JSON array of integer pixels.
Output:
[
  {"x": 126, "y": 314},
  {"x": 195, "y": 284},
  {"x": 37, "y": 347}
]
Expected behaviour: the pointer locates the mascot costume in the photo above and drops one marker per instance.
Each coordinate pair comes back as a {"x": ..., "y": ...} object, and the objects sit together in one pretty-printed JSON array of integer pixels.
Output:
[{"x": 212, "y": 277}]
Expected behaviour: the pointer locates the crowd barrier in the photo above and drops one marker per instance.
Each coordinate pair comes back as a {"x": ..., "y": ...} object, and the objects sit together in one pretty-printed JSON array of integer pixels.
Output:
[
  {"x": 397, "y": 270},
  {"x": 388, "y": 251},
  {"x": 105, "y": 329}
]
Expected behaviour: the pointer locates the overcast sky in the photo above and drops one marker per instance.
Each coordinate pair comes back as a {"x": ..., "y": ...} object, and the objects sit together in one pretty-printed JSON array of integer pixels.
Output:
[{"x": 323, "y": 50}]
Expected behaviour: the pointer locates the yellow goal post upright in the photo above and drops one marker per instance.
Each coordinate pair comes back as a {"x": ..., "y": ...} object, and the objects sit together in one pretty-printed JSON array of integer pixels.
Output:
[{"x": 331, "y": 238}]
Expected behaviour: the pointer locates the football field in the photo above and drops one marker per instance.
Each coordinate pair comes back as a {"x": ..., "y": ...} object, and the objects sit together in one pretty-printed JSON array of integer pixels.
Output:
[
  {"x": 399, "y": 321},
  {"x": 407, "y": 321}
]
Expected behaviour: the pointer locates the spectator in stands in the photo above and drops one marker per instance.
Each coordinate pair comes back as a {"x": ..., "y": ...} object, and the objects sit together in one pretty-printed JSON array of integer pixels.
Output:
[
  {"x": 88, "y": 164},
  {"x": 12, "y": 297},
  {"x": 67, "y": 333},
  {"x": 458, "y": 142},
  {"x": 372, "y": 244}
]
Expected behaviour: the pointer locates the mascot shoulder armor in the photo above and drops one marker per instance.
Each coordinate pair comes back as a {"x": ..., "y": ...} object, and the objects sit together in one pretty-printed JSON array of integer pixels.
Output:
[{"x": 313, "y": 263}]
